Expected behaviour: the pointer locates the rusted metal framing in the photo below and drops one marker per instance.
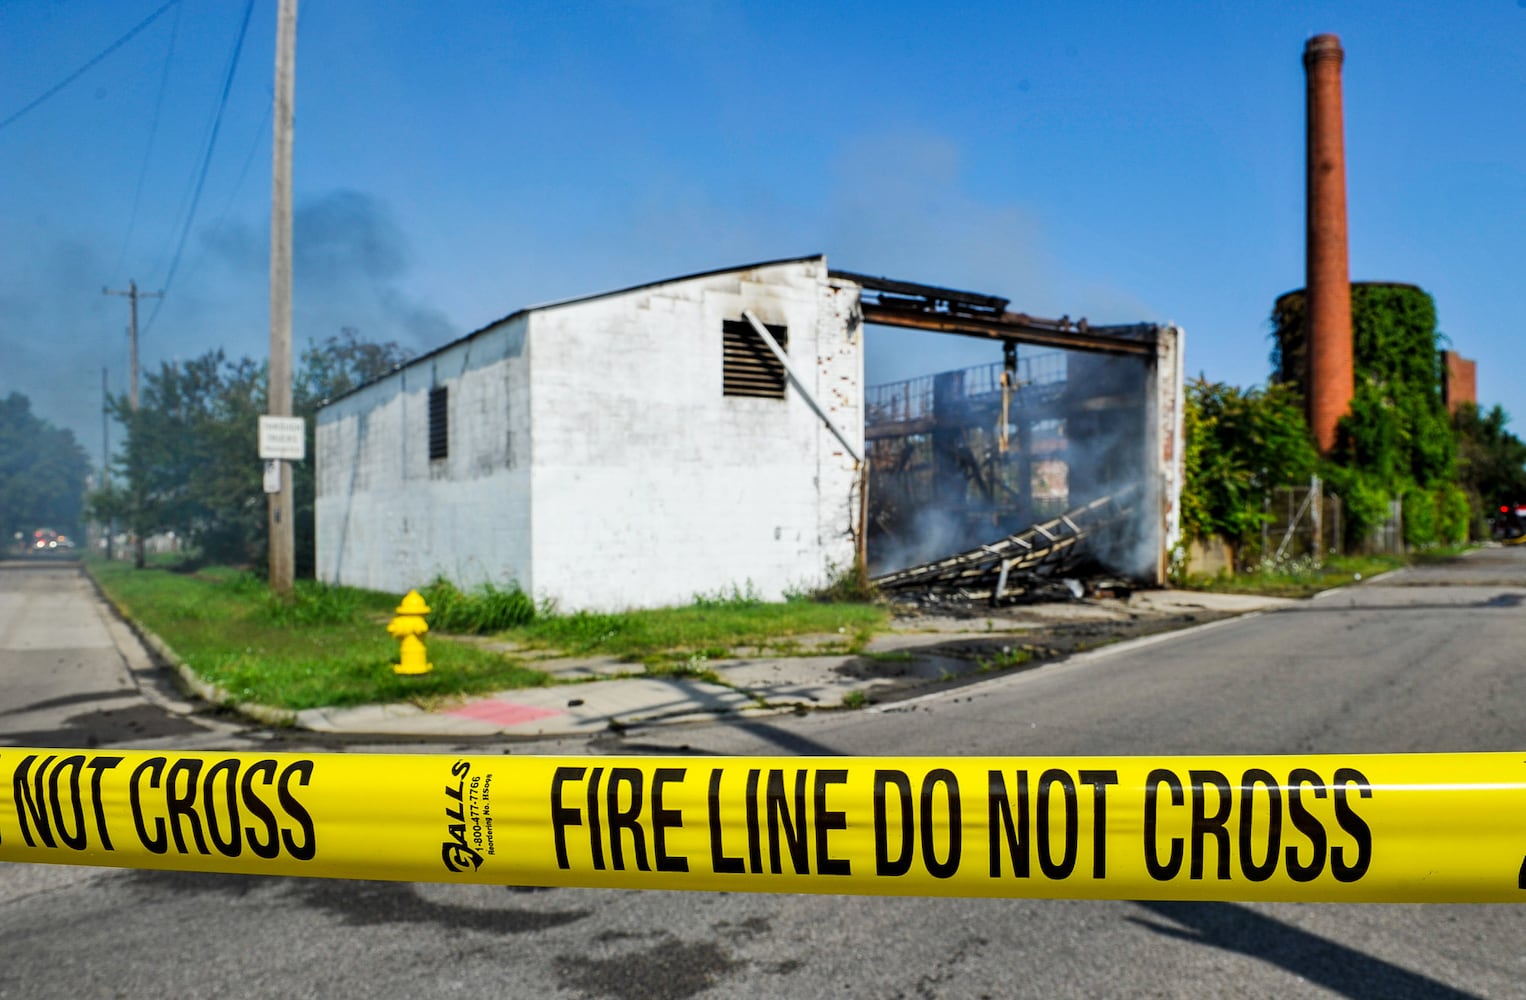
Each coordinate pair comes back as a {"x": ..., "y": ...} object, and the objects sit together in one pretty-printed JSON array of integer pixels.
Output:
[{"x": 944, "y": 310}]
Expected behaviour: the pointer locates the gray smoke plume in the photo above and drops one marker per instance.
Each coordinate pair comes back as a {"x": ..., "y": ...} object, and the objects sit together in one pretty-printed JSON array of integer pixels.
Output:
[
  {"x": 1079, "y": 418},
  {"x": 57, "y": 331},
  {"x": 350, "y": 260}
]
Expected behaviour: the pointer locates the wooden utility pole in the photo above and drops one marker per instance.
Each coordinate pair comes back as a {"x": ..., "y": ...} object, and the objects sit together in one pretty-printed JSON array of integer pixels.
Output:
[
  {"x": 106, "y": 452},
  {"x": 105, "y": 433},
  {"x": 282, "y": 534},
  {"x": 133, "y": 295}
]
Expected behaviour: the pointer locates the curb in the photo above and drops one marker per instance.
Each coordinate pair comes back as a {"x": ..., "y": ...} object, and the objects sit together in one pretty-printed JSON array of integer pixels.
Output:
[
  {"x": 203, "y": 689},
  {"x": 1358, "y": 583}
]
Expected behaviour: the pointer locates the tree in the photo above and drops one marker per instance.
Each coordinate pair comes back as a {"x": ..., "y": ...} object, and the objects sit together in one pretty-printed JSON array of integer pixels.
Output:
[
  {"x": 190, "y": 461},
  {"x": 42, "y": 471},
  {"x": 1491, "y": 461},
  {"x": 339, "y": 364},
  {"x": 190, "y": 456},
  {"x": 1240, "y": 444}
]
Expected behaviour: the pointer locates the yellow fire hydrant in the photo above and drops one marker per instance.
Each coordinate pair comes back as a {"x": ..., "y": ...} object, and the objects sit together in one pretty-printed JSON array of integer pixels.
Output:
[{"x": 407, "y": 627}]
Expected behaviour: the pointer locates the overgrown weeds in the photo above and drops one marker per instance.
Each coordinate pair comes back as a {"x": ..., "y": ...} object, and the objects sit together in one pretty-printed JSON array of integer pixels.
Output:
[
  {"x": 483, "y": 609},
  {"x": 845, "y": 585},
  {"x": 309, "y": 603},
  {"x": 730, "y": 598},
  {"x": 1006, "y": 659},
  {"x": 1298, "y": 577}
]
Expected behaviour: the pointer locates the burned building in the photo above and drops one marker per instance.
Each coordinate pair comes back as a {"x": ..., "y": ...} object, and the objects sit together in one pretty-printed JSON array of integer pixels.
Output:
[
  {"x": 636, "y": 448},
  {"x": 1075, "y": 418}
]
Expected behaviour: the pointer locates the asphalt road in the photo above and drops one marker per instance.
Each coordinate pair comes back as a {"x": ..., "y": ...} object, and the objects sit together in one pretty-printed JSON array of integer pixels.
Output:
[{"x": 1426, "y": 660}]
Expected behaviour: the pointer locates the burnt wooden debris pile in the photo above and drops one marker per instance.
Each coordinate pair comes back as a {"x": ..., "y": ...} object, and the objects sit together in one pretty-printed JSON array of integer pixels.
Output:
[{"x": 1028, "y": 564}]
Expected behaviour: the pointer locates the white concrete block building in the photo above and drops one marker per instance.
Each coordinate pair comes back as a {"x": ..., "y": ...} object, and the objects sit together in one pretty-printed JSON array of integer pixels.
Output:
[{"x": 625, "y": 450}]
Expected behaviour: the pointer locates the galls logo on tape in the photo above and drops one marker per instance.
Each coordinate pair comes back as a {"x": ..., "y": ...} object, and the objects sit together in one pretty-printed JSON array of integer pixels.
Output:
[{"x": 469, "y": 816}]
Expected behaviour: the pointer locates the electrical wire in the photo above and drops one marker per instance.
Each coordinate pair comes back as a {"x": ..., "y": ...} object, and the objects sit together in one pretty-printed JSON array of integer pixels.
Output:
[
  {"x": 206, "y": 161},
  {"x": 35, "y": 102},
  {"x": 261, "y": 135},
  {"x": 148, "y": 152}
]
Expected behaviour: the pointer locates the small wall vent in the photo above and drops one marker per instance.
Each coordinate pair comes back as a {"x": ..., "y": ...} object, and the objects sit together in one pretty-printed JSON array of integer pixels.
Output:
[{"x": 439, "y": 423}]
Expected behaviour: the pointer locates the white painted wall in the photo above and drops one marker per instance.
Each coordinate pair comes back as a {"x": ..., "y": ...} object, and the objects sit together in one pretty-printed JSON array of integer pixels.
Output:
[
  {"x": 387, "y": 517},
  {"x": 593, "y": 458},
  {"x": 650, "y": 486}
]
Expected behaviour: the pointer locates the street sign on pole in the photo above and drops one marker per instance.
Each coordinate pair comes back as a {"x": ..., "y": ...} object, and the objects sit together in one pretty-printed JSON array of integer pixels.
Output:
[{"x": 283, "y": 438}]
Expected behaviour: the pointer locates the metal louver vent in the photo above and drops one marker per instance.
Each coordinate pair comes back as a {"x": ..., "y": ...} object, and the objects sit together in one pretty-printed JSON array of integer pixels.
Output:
[
  {"x": 439, "y": 423},
  {"x": 749, "y": 368}
]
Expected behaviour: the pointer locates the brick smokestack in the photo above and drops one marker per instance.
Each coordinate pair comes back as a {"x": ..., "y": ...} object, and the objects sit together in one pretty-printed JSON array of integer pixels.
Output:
[{"x": 1328, "y": 280}]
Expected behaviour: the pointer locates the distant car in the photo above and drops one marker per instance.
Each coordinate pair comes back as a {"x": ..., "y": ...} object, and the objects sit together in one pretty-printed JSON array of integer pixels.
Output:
[
  {"x": 48, "y": 540},
  {"x": 1509, "y": 525}
]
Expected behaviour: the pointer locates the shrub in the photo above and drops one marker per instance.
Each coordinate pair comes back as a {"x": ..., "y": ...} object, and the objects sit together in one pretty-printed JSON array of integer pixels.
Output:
[
  {"x": 1456, "y": 514},
  {"x": 1239, "y": 445},
  {"x": 1420, "y": 521},
  {"x": 735, "y": 597}
]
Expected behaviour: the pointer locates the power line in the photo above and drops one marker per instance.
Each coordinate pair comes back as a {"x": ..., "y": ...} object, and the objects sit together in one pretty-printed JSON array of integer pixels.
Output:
[
  {"x": 153, "y": 132},
  {"x": 261, "y": 135},
  {"x": 89, "y": 65},
  {"x": 206, "y": 160}
]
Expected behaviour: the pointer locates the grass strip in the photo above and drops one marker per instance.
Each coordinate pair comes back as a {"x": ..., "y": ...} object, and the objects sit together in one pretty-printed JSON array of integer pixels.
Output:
[{"x": 326, "y": 646}]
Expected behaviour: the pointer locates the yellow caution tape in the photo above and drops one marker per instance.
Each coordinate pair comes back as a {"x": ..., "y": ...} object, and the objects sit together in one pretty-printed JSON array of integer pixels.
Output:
[{"x": 1381, "y": 828}]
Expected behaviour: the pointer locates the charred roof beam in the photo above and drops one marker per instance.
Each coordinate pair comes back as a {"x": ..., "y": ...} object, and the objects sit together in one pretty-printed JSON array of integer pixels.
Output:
[
  {"x": 925, "y": 298},
  {"x": 946, "y": 310}
]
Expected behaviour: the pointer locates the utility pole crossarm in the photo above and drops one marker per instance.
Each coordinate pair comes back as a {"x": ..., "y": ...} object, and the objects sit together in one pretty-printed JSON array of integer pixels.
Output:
[{"x": 133, "y": 295}]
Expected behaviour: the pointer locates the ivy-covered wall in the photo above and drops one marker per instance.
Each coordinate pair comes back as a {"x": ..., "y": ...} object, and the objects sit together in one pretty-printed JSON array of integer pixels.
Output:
[{"x": 1397, "y": 442}]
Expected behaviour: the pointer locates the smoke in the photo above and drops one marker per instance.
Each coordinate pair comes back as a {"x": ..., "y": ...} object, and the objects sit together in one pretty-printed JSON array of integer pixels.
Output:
[
  {"x": 352, "y": 267},
  {"x": 936, "y": 494},
  {"x": 57, "y": 331},
  {"x": 350, "y": 264},
  {"x": 1108, "y": 439},
  {"x": 905, "y": 207}
]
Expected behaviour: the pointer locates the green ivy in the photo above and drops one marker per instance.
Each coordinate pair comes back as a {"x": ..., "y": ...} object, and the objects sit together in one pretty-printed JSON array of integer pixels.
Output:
[{"x": 1397, "y": 441}]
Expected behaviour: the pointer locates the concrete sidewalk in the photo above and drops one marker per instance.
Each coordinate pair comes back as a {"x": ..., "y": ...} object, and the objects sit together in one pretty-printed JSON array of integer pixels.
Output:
[{"x": 593, "y": 695}]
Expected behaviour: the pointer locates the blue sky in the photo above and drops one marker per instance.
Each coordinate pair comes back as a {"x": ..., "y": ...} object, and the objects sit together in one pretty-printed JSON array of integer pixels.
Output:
[{"x": 455, "y": 162}]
